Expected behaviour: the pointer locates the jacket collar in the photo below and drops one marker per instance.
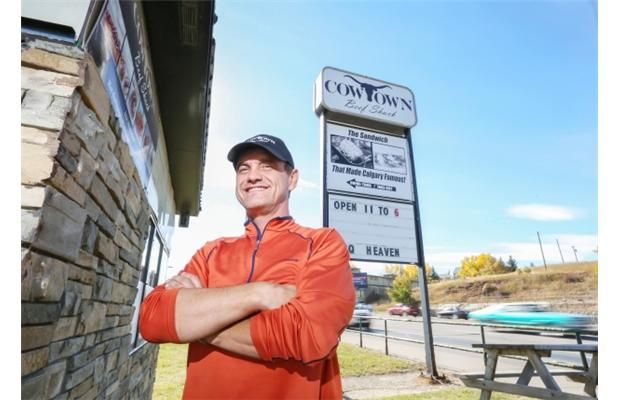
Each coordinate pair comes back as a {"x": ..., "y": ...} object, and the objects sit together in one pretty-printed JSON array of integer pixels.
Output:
[{"x": 276, "y": 224}]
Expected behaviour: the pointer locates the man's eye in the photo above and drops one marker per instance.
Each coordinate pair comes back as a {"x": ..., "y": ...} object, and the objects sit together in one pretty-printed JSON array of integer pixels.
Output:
[
  {"x": 242, "y": 170},
  {"x": 267, "y": 166}
]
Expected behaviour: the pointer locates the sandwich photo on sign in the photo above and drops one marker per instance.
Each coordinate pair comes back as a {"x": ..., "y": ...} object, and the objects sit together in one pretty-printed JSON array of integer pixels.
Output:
[{"x": 349, "y": 151}]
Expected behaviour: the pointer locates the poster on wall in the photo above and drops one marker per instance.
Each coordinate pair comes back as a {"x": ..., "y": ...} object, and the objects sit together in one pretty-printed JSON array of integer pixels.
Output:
[{"x": 118, "y": 47}]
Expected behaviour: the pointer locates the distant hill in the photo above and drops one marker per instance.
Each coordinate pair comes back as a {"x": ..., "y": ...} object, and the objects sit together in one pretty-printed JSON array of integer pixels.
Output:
[{"x": 568, "y": 287}]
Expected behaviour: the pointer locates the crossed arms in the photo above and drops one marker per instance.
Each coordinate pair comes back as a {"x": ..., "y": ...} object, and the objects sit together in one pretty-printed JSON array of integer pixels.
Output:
[
  {"x": 219, "y": 315},
  {"x": 259, "y": 319}
]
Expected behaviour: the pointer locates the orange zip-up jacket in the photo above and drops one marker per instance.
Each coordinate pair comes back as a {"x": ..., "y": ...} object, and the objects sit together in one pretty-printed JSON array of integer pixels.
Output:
[{"x": 296, "y": 342}]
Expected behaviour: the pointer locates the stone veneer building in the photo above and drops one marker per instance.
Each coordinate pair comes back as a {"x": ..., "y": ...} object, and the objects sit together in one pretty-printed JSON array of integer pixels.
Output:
[{"x": 102, "y": 178}]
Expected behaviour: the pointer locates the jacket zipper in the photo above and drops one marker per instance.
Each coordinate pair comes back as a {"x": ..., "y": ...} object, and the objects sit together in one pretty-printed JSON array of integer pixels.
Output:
[{"x": 259, "y": 236}]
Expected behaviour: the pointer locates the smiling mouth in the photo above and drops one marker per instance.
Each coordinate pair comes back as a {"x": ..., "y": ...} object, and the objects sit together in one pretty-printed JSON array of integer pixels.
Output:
[{"x": 256, "y": 189}]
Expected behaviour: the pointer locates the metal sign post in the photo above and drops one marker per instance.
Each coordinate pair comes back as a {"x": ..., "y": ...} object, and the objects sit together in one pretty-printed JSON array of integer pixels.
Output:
[
  {"x": 369, "y": 191},
  {"x": 431, "y": 366}
]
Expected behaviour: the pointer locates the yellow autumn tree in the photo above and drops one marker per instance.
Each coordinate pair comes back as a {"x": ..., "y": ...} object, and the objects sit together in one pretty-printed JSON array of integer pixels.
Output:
[
  {"x": 431, "y": 274},
  {"x": 406, "y": 275},
  {"x": 482, "y": 264}
]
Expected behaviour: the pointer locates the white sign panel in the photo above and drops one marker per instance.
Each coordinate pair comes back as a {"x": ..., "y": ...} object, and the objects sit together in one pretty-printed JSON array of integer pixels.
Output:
[
  {"x": 374, "y": 230},
  {"x": 365, "y": 162},
  {"x": 360, "y": 96}
]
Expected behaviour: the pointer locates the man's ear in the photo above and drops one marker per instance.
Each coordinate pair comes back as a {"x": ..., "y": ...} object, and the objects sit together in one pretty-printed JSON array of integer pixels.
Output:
[{"x": 292, "y": 179}]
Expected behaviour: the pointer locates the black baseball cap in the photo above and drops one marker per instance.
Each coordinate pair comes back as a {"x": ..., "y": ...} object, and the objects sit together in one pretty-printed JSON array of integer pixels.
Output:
[{"x": 272, "y": 144}]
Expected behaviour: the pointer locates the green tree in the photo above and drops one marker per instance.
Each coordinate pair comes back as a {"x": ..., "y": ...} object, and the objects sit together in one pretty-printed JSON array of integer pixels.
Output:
[
  {"x": 482, "y": 264},
  {"x": 400, "y": 291},
  {"x": 431, "y": 274},
  {"x": 406, "y": 277},
  {"x": 511, "y": 264}
]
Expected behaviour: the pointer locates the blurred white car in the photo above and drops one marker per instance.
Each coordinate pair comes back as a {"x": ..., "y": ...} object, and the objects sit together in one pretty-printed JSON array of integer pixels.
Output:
[
  {"x": 361, "y": 310},
  {"x": 530, "y": 314}
]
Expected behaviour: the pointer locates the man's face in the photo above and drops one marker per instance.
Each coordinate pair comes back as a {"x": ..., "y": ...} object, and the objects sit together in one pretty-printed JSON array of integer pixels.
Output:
[{"x": 263, "y": 183}]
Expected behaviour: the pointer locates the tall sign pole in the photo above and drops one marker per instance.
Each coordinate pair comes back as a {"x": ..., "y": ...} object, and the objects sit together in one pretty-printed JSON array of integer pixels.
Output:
[
  {"x": 429, "y": 348},
  {"x": 369, "y": 190}
]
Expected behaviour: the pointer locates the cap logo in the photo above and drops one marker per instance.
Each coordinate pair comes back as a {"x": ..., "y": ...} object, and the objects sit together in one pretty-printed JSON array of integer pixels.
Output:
[
  {"x": 271, "y": 144},
  {"x": 262, "y": 139}
]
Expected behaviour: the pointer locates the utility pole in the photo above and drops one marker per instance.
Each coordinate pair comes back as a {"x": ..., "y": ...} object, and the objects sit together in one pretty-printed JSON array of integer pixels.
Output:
[
  {"x": 559, "y": 248},
  {"x": 575, "y": 251},
  {"x": 541, "y": 250}
]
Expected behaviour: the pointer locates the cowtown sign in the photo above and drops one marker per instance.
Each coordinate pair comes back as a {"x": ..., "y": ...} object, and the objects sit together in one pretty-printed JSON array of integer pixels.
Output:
[
  {"x": 369, "y": 190},
  {"x": 367, "y": 169},
  {"x": 363, "y": 97}
]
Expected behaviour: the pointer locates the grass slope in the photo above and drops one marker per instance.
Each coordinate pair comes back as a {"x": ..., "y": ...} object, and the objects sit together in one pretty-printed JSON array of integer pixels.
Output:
[
  {"x": 571, "y": 287},
  {"x": 454, "y": 394},
  {"x": 356, "y": 361}
]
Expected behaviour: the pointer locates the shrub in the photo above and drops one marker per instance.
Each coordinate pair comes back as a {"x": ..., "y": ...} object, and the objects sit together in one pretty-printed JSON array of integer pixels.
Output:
[
  {"x": 573, "y": 278},
  {"x": 488, "y": 289},
  {"x": 374, "y": 297}
]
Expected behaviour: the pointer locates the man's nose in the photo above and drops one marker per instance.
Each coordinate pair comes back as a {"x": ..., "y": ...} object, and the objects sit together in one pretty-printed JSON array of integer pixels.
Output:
[{"x": 254, "y": 175}]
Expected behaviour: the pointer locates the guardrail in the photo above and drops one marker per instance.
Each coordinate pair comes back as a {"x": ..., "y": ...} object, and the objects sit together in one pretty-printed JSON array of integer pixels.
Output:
[{"x": 578, "y": 333}]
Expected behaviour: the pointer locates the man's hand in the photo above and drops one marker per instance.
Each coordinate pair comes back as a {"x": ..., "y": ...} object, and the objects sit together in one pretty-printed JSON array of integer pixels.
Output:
[
  {"x": 270, "y": 295},
  {"x": 184, "y": 280},
  {"x": 273, "y": 295},
  {"x": 207, "y": 313},
  {"x": 237, "y": 338}
]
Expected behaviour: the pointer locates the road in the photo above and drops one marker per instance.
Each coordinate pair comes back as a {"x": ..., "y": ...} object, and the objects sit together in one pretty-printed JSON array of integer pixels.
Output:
[{"x": 457, "y": 334}]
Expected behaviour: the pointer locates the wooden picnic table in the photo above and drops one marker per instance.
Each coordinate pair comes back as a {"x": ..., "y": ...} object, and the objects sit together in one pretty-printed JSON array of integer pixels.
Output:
[{"x": 535, "y": 365}]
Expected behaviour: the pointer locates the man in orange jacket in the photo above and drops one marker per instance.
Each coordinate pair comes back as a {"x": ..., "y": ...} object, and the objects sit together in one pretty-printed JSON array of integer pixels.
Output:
[{"x": 262, "y": 312}]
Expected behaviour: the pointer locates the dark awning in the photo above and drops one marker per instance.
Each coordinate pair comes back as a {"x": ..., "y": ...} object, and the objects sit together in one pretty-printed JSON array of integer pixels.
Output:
[{"x": 180, "y": 35}]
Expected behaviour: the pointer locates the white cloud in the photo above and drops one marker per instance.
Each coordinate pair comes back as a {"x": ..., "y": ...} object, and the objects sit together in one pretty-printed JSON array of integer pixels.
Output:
[
  {"x": 542, "y": 212},
  {"x": 305, "y": 184},
  {"x": 527, "y": 252}
]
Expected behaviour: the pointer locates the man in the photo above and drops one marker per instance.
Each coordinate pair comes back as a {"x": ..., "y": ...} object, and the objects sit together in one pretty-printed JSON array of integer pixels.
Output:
[{"x": 262, "y": 312}]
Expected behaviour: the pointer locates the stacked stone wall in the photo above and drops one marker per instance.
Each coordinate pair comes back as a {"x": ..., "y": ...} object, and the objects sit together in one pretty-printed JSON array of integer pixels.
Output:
[{"x": 85, "y": 222}]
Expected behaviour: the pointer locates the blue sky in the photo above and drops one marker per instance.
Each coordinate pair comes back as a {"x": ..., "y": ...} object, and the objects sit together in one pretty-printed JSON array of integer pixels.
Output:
[{"x": 506, "y": 96}]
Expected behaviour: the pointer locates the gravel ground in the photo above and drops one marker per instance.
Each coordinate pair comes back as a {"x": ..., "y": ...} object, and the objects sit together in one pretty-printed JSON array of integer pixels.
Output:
[{"x": 377, "y": 386}]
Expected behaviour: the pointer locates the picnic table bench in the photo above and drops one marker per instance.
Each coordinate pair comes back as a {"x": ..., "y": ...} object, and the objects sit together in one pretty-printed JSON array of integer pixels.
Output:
[{"x": 535, "y": 366}]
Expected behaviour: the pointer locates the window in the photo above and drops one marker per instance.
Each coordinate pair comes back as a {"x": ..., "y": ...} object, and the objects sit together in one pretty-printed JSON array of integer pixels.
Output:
[{"x": 154, "y": 256}]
